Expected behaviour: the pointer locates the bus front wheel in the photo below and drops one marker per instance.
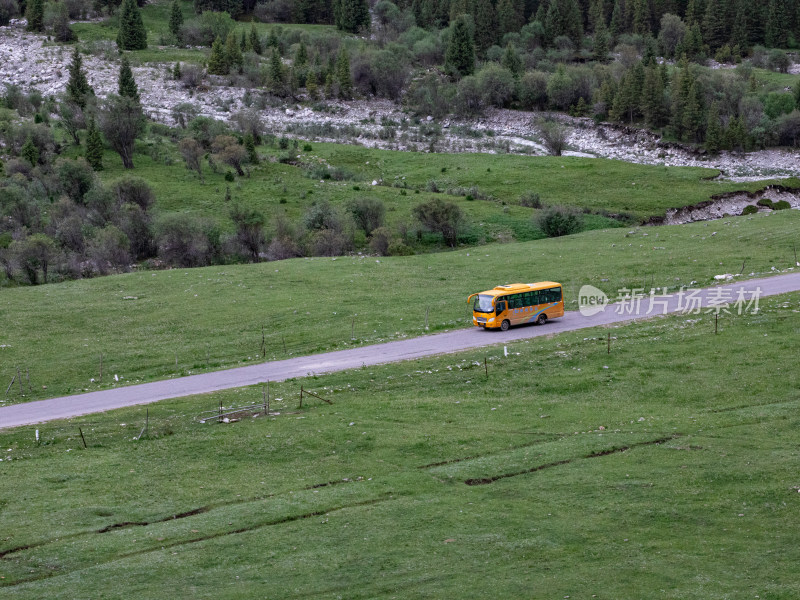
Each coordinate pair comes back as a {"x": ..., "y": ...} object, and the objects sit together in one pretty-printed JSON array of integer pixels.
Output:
[
  {"x": 542, "y": 319},
  {"x": 505, "y": 325}
]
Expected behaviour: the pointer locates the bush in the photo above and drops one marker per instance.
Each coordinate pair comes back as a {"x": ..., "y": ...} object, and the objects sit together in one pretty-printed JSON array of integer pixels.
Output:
[
  {"x": 559, "y": 220},
  {"x": 750, "y": 209},
  {"x": 368, "y": 213},
  {"x": 530, "y": 200},
  {"x": 133, "y": 190},
  {"x": 765, "y": 202},
  {"x": 75, "y": 177},
  {"x": 439, "y": 216},
  {"x": 781, "y": 205}
]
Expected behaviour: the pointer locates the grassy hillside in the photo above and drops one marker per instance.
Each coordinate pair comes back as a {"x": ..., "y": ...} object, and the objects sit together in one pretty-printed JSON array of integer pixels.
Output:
[
  {"x": 152, "y": 325},
  {"x": 636, "y": 474}
]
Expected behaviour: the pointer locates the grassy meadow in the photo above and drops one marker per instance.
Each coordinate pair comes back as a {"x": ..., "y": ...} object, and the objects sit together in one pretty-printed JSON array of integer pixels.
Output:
[
  {"x": 663, "y": 469},
  {"x": 157, "y": 324}
]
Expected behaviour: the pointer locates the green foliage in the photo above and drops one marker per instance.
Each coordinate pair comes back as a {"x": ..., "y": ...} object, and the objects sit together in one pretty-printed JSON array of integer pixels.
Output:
[
  {"x": 78, "y": 87},
  {"x": 255, "y": 40},
  {"x": 233, "y": 52},
  {"x": 35, "y": 15},
  {"x": 127, "y": 84},
  {"x": 750, "y": 209},
  {"x": 439, "y": 216},
  {"x": 556, "y": 221},
  {"x": 132, "y": 34},
  {"x": 217, "y": 61},
  {"x": 175, "y": 18},
  {"x": 351, "y": 15},
  {"x": 459, "y": 58},
  {"x": 343, "y": 76},
  {"x": 30, "y": 152}
]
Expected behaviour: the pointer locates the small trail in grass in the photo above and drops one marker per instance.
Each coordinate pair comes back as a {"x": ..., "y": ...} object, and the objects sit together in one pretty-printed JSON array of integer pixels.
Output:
[{"x": 558, "y": 463}]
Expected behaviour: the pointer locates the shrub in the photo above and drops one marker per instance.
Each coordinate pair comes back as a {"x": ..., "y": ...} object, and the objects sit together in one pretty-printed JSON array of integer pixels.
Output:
[
  {"x": 750, "y": 209},
  {"x": 559, "y": 220},
  {"x": 75, "y": 177},
  {"x": 441, "y": 217},
  {"x": 380, "y": 240},
  {"x": 530, "y": 200},
  {"x": 781, "y": 205},
  {"x": 554, "y": 136},
  {"x": 133, "y": 190},
  {"x": 368, "y": 213},
  {"x": 765, "y": 202},
  {"x": 399, "y": 248}
]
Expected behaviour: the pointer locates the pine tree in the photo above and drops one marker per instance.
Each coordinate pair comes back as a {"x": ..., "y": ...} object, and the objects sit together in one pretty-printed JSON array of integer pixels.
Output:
[
  {"x": 716, "y": 29},
  {"x": 617, "y": 25},
  {"x": 351, "y": 15},
  {"x": 695, "y": 11},
  {"x": 485, "y": 26},
  {"x": 602, "y": 41},
  {"x": 512, "y": 61},
  {"x": 30, "y": 152},
  {"x": 343, "y": 76},
  {"x": 175, "y": 19},
  {"x": 35, "y": 15},
  {"x": 250, "y": 146},
  {"x": 509, "y": 16},
  {"x": 694, "y": 114},
  {"x": 127, "y": 84},
  {"x": 563, "y": 18},
  {"x": 311, "y": 86},
  {"x": 681, "y": 83},
  {"x": 276, "y": 73},
  {"x": 796, "y": 91},
  {"x": 641, "y": 17},
  {"x": 459, "y": 59},
  {"x": 255, "y": 41},
  {"x": 132, "y": 34},
  {"x": 233, "y": 52},
  {"x": 713, "y": 129},
  {"x": 652, "y": 105},
  {"x": 94, "y": 147},
  {"x": 78, "y": 86},
  {"x": 597, "y": 15},
  {"x": 244, "y": 44},
  {"x": 739, "y": 33},
  {"x": 776, "y": 29},
  {"x": 301, "y": 58},
  {"x": 217, "y": 62},
  {"x": 176, "y": 71},
  {"x": 272, "y": 40}
]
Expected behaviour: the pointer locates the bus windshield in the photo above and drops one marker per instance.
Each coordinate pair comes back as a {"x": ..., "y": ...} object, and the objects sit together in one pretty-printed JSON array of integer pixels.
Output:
[{"x": 483, "y": 303}]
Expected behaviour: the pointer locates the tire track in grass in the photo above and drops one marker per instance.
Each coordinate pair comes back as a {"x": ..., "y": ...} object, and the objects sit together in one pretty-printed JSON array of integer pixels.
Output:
[
  {"x": 566, "y": 461},
  {"x": 386, "y": 496},
  {"x": 4, "y": 554}
]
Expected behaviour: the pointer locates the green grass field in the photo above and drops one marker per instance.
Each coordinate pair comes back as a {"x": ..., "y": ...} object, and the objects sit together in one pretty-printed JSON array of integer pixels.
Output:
[
  {"x": 663, "y": 469},
  {"x": 157, "y": 324}
]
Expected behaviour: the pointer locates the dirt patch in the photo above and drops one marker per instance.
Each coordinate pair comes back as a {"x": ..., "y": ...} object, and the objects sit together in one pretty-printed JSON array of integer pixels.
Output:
[{"x": 729, "y": 204}]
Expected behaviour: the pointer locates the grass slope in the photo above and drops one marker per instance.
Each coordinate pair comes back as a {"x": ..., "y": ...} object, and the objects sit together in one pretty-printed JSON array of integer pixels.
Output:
[
  {"x": 665, "y": 469},
  {"x": 153, "y": 325}
]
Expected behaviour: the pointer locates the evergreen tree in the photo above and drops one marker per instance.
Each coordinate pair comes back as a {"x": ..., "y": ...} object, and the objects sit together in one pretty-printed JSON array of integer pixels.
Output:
[
  {"x": 652, "y": 105},
  {"x": 351, "y": 15},
  {"x": 695, "y": 11},
  {"x": 602, "y": 40},
  {"x": 132, "y": 34},
  {"x": 35, "y": 15},
  {"x": 301, "y": 58},
  {"x": 233, "y": 52},
  {"x": 597, "y": 15},
  {"x": 627, "y": 101},
  {"x": 459, "y": 59},
  {"x": 564, "y": 18},
  {"x": 641, "y": 17},
  {"x": 681, "y": 84},
  {"x": 244, "y": 44},
  {"x": 694, "y": 114},
  {"x": 343, "y": 76},
  {"x": 716, "y": 28},
  {"x": 617, "y": 25},
  {"x": 175, "y": 18},
  {"x": 485, "y": 26},
  {"x": 509, "y": 16},
  {"x": 276, "y": 73},
  {"x": 776, "y": 29},
  {"x": 176, "y": 71},
  {"x": 78, "y": 86},
  {"x": 739, "y": 33},
  {"x": 735, "y": 137},
  {"x": 94, "y": 147},
  {"x": 796, "y": 91},
  {"x": 255, "y": 41},
  {"x": 250, "y": 147},
  {"x": 217, "y": 62},
  {"x": 272, "y": 40},
  {"x": 714, "y": 139},
  {"x": 127, "y": 84},
  {"x": 311, "y": 86},
  {"x": 693, "y": 43},
  {"x": 30, "y": 152},
  {"x": 512, "y": 61}
]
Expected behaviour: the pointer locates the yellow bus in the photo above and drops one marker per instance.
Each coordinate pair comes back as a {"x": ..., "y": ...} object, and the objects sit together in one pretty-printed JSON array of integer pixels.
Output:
[{"x": 517, "y": 303}]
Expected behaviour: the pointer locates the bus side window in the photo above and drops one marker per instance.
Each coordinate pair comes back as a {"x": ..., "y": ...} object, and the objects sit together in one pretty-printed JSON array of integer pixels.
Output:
[
  {"x": 500, "y": 306},
  {"x": 527, "y": 299}
]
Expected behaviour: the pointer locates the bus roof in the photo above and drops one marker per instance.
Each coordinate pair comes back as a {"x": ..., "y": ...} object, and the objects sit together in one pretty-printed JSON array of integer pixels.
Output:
[{"x": 514, "y": 288}]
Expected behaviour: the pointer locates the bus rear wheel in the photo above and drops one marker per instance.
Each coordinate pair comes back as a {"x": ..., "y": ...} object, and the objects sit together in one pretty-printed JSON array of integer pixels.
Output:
[
  {"x": 542, "y": 319},
  {"x": 505, "y": 325}
]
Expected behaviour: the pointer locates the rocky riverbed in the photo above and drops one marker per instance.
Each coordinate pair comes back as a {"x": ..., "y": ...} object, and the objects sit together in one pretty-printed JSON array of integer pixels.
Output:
[{"x": 30, "y": 61}]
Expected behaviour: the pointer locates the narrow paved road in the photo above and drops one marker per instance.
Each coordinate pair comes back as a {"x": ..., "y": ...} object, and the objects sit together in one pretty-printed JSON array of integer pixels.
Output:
[{"x": 453, "y": 341}]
